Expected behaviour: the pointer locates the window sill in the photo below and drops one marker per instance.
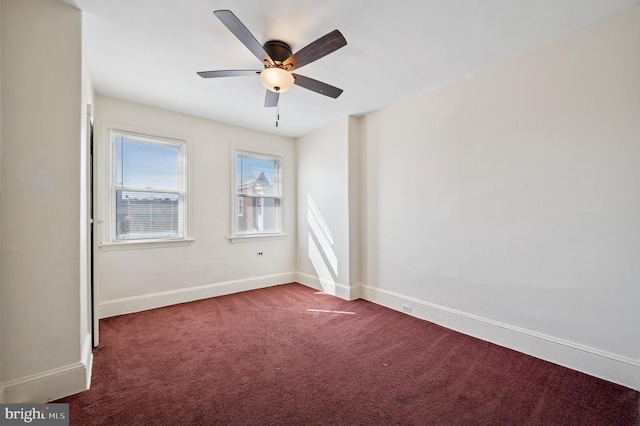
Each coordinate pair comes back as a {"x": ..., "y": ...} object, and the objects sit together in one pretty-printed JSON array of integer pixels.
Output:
[
  {"x": 145, "y": 244},
  {"x": 256, "y": 238}
]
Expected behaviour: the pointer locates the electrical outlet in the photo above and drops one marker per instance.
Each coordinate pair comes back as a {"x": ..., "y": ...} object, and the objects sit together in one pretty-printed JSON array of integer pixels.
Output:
[
  {"x": 406, "y": 308},
  {"x": 260, "y": 253}
]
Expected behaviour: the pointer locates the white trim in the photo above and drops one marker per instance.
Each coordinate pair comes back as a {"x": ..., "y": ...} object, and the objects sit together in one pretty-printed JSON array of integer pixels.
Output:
[
  {"x": 606, "y": 365},
  {"x": 87, "y": 357},
  {"x": 181, "y": 191},
  {"x": 145, "y": 244},
  {"x": 257, "y": 237},
  {"x": 267, "y": 154},
  {"x": 102, "y": 177},
  {"x": 52, "y": 384},
  {"x": 336, "y": 289},
  {"x": 127, "y": 305}
]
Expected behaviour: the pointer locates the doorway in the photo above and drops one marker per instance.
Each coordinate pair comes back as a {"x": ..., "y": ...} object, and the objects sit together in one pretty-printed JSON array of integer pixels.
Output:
[{"x": 91, "y": 240}]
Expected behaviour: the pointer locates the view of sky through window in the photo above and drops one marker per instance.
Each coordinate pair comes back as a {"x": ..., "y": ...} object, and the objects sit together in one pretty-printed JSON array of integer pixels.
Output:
[
  {"x": 146, "y": 165},
  {"x": 251, "y": 167}
]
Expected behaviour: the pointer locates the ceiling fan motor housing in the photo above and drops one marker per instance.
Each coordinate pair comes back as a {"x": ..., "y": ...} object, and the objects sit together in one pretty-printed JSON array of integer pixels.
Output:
[{"x": 278, "y": 50}]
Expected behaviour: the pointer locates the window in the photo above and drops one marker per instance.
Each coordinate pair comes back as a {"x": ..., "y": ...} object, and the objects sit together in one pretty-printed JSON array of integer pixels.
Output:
[
  {"x": 147, "y": 187},
  {"x": 257, "y": 191}
]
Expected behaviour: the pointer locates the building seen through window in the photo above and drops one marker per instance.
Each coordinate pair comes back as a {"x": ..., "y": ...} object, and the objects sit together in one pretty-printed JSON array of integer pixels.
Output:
[{"x": 257, "y": 191}]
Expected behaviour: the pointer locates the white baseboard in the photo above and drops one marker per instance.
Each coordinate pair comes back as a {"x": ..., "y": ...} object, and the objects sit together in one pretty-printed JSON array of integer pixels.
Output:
[
  {"x": 612, "y": 367},
  {"x": 52, "y": 384},
  {"x": 128, "y": 305},
  {"x": 340, "y": 290},
  {"x": 608, "y": 366}
]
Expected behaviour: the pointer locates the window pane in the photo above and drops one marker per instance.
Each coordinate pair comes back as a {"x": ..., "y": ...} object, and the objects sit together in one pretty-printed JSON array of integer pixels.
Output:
[
  {"x": 147, "y": 176},
  {"x": 257, "y": 176},
  {"x": 257, "y": 191},
  {"x": 147, "y": 215},
  {"x": 141, "y": 164},
  {"x": 259, "y": 216}
]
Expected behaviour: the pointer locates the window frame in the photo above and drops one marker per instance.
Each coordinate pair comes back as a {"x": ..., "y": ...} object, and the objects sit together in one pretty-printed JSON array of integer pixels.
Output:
[
  {"x": 108, "y": 189},
  {"x": 237, "y": 200}
]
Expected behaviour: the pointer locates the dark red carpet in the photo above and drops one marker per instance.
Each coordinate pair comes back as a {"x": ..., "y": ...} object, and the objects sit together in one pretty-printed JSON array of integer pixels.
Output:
[{"x": 289, "y": 355}]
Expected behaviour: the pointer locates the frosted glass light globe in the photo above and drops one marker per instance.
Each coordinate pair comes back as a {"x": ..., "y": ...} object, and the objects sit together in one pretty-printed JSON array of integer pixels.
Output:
[{"x": 276, "y": 79}]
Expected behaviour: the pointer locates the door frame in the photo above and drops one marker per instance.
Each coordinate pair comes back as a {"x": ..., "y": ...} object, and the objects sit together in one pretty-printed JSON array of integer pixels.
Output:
[{"x": 91, "y": 184}]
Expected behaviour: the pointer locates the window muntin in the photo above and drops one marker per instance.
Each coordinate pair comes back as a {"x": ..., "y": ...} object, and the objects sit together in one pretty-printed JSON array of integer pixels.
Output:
[
  {"x": 257, "y": 191},
  {"x": 147, "y": 187}
]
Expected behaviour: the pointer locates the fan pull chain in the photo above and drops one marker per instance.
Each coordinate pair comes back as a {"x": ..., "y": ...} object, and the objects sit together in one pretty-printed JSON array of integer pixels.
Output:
[{"x": 277, "y": 112}]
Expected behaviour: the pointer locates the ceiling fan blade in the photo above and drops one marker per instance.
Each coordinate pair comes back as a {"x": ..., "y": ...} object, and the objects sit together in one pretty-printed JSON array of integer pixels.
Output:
[
  {"x": 242, "y": 33},
  {"x": 316, "y": 50},
  {"x": 227, "y": 73},
  {"x": 317, "y": 86},
  {"x": 271, "y": 99}
]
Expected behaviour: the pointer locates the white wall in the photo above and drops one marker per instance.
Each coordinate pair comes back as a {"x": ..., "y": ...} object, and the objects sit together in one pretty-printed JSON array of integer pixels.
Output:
[
  {"x": 507, "y": 204},
  {"x": 326, "y": 258},
  {"x": 504, "y": 205},
  {"x": 357, "y": 198},
  {"x": 501, "y": 205},
  {"x": 132, "y": 280},
  {"x": 86, "y": 104},
  {"x": 41, "y": 355},
  {"x": 1, "y": 384}
]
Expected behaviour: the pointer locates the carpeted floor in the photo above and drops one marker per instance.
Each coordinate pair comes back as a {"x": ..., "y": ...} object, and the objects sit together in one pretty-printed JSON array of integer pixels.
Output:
[{"x": 289, "y": 355}]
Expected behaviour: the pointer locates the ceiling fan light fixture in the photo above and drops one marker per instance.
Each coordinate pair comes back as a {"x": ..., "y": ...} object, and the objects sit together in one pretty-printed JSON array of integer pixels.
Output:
[{"x": 276, "y": 79}]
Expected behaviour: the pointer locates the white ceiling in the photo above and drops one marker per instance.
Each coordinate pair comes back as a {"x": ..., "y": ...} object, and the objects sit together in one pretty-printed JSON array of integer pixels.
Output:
[{"x": 148, "y": 51}]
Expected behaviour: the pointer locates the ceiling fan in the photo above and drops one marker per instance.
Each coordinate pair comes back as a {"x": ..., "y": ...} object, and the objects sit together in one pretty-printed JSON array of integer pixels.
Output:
[{"x": 279, "y": 62}]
